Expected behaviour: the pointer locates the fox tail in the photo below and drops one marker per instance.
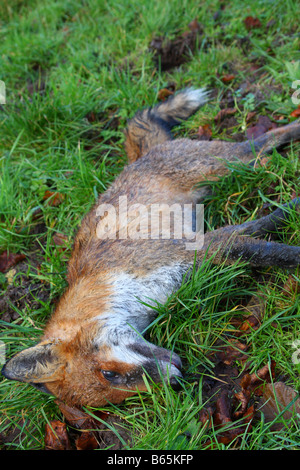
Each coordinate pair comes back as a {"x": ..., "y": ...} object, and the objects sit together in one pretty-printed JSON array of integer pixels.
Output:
[{"x": 152, "y": 126}]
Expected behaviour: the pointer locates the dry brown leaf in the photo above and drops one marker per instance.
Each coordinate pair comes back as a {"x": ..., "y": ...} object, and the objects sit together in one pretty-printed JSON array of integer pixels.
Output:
[
  {"x": 275, "y": 398},
  {"x": 252, "y": 22},
  {"x": 164, "y": 93},
  {"x": 86, "y": 441},
  {"x": 251, "y": 322},
  {"x": 291, "y": 286},
  {"x": 296, "y": 112},
  {"x": 250, "y": 115},
  {"x": 223, "y": 113},
  {"x": 222, "y": 414},
  {"x": 204, "y": 132},
  {"x": 53, "y": 198},
  {"x": 263, "y": 374},
  {"x": 8, "y": 260},
  {"x": 227, "y": 78},
  {"x": 295, "y": 194},
  {"x": 223, "y": 417},
  {"x": 263, "y": 125},
  {"x": 264, "y": 161},
  {"x": 195, "y": 26},
  {"x": 205, "y": 416},
  {"x": 234, "y": 351},
  {"x": 56, "y": 436},
  {"x": 78, "y": 418},
  {"x": 253, "y": 384},
  {"x": 75, "y": 417}
]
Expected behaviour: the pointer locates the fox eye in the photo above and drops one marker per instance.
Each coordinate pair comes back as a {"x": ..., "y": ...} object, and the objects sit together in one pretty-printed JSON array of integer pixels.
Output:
[{"x": 110, "y": 374}]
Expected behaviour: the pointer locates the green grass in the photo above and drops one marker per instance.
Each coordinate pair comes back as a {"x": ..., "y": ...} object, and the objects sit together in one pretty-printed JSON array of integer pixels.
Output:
[{"x": 75, "y": 71}]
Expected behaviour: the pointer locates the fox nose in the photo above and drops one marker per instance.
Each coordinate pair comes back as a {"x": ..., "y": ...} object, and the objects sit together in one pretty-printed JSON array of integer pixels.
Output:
[{"x": 7, "y": 373}]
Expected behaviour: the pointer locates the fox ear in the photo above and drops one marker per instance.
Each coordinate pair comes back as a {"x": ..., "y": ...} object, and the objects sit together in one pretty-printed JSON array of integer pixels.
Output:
[{"x": 37, "y": 364}]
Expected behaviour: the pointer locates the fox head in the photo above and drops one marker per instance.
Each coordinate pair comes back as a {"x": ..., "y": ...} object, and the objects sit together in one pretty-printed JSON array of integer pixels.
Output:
[
  {"x": 82, "y": 373},
  {"x": 87, "y": 357},
  {"x": 92, "y": 351}
]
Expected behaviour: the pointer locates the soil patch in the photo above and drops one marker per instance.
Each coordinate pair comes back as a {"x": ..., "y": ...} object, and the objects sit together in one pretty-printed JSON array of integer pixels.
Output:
[{"x": 21, "y": 292}]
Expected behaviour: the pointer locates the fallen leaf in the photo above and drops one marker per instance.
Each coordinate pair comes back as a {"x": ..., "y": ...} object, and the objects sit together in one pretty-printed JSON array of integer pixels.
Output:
[
  {"x": 37, "y": 214},
  {"x": 78, "y": 418},
  {"x": 86, "y": 441},
  {"x": 8, "y": 260},
  {"x": 252, "y": 22},
  {"x": 74, "y": 416},
  {"x": 223, "y": 113},
  {"x": 205, "y": 416},
  {"x": 255, "y": 309},
  {"x": 227, "y": 78},
  {"x": 82, "y": 421},
  {"x": 252, "y": 384},
  {"x": 235, "y": 351},
  {"x": 249, "y": 414},
  {"x": 263, "y": 125},
  {"x": 53, "y": 198},
  {"x": 266, "y": 373},
  {"x": 295, "y": 194},
  {"x": 263, "y": 161},
  {"x": 60, "y": 241},
  {"x": 275, "y": 398},
  {"x": 250, "y": 115},
  {"x": 204, "y": 132},
  {"x": 223, "y": 418},
  {"x": 195, "y": 26},
  {"x": 251, "y": 322},
  {"x": 296, "y": 112},
  {"x": 222, "y": 414},
  {"x": 164, "y": 93},
  {"x": 56, "y": 436}
]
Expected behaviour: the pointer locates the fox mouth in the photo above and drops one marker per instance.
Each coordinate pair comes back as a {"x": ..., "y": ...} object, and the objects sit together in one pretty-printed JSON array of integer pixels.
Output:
[
  {"x": 177, "y": 372},
  {"x": 171, "y": 367},
  {"x": 175, "y": 361},
  {"x": 157, "y": 361},
  {"x": 41, "y": 387}
]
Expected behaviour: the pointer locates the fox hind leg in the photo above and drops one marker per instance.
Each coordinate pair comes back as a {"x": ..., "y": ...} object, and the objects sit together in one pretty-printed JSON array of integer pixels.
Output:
[
  {"x": 187, "y": 162},
  {"x": 273, "y": 139}
]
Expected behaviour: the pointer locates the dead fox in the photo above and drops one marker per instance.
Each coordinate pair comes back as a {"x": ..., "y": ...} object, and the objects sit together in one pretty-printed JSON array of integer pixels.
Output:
[{"x": 93, "y": 351}]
